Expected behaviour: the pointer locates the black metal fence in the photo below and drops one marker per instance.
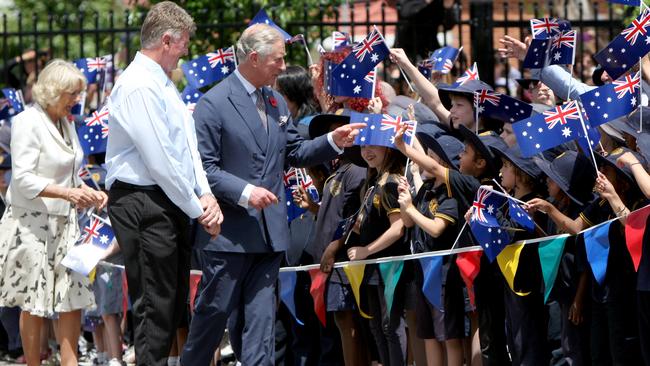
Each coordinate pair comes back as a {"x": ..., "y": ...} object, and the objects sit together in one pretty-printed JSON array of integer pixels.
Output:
[{"x": 474, "y": 24}]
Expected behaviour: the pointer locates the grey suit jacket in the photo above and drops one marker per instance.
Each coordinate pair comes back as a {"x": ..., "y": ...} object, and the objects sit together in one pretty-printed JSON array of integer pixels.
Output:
[{"x": 236, "y": 150}]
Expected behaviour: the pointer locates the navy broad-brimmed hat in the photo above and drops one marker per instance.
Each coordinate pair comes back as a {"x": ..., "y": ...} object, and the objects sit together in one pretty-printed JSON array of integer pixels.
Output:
[
  {"x": 321, "y": 124},
  {"x": 399, "y": 105},
  {"x": 630, "y": 123},
  {"x": 448, "y": 148},
  {"x": 467, "y": 89},
  {"x": 513, "y": 155},
  {"x": 483, "y": 143},
  {"x": 625, "y": 172},
  {"x": 643, "y": 145},
  {"x": 573, "y": 173},
  {"x": 5, "y": 161}
]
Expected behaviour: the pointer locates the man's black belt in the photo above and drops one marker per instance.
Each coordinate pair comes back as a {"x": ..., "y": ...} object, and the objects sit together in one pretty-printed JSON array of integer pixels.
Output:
[{"x": 134, "y": 187}]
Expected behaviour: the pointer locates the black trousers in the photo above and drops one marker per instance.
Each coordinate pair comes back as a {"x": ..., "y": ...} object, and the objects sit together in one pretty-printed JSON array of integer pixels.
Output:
[{"x": 154, "y": 235}]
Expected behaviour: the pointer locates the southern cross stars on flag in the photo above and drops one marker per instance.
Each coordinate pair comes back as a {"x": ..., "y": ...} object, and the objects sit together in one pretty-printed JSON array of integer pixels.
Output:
[
  {"x": 469, "y": 74},
  {"x": 549, "y": 129},
  {"x": 520, "y": 216},
  {"x": 559, "y": 50},
  {"x": 190, "y": 97},
  {"x": 364, "y": 88},
  {"x": 381, "y": 128},
  {"x": 365, "y": 55},
  {"x": 625, "y": 50},
  {"x": 210, "y": 68},
  {"x": 544, "y": 28},
  {"x": 501, "y": 107},
  {"x": 485, "y": 207},
  {"x": 611, "y": 101},
  {"x": 484, "y": 224},
  {"x": 263, "y": 18},
  {"x": 97, "y": 233},
  {"x": 14, "y": 100},
  {"x": 443, "y": 59},
  {"x": 91, "y": 67},
  {"x": 341, "y": 40},
  {"x": 92, "y": 136}
]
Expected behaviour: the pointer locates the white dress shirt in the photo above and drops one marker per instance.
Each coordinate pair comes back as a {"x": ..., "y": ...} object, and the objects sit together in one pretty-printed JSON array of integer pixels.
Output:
[
  {"x": 250, "y": 89},
  {"x": 152, "y": 139}
]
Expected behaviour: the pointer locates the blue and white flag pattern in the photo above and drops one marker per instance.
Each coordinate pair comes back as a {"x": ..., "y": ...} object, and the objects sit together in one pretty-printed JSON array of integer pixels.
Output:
[
  {"x": 381, "y": 128},
  {"x": 611, "y": 101}
]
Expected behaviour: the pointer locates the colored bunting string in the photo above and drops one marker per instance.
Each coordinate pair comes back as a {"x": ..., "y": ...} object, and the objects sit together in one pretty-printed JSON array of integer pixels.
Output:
[
  {"x": 390, "y": 274},
  {"x": 550, "y": 254},
  {"x": 355, "y": 273},
  {"x": 508, "y": 261}
]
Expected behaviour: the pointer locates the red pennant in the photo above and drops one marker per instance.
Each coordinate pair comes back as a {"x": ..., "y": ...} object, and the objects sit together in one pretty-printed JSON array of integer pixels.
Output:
[
  {"x": 634, "y": 230},
  {"x": 317, "y": 291},
  {"x": 469, "y": 264},
  {"x": 195, "y": 278}
]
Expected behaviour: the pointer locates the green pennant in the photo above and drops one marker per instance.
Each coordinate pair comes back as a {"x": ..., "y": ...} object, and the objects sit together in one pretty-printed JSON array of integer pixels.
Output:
[
  {"x": 550, "y": 254},
  {"x": 390, "y": 273}
]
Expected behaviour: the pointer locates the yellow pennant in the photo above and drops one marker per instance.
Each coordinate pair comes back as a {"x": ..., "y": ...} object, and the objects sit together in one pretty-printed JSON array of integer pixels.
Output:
[
  {"x": 355, "y": 276},
  {"x": 508, "y": 261}
]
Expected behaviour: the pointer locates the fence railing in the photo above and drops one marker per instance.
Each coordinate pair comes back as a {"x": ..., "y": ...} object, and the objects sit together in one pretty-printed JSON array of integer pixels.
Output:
[{"x": 473, "y": 24}]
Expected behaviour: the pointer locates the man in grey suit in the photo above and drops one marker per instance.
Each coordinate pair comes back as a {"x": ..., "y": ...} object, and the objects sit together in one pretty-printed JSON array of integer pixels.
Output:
[{"x": 246, "y": 138}]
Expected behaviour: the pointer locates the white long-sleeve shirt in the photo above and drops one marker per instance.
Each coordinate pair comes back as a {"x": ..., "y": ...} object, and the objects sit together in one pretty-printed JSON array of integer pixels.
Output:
[{"x": 152, "y": 139}]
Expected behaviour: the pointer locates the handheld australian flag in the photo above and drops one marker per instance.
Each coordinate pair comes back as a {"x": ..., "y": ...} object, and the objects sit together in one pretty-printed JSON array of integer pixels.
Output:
[
  {"x": 425, "y": 67},
  {"x": 341, "y": 40},
  {"x": 611, "y": 101},
  {"x": 13, "y": 102},
  {"x": 381, "y": 128},
  {"x": 263, "y": 18},
  {"x": 558, "y": 50},
  {"x": 98, "y": 117},
  {"x": 484, "y": 224},
  {"x": 625, "y": 50},
  {"x": 469, "y": 74},
  {"x": 443, "y": 59},
  {"x": 97, "y": 232},
  {"x": 93, "y": 133},
  {"x": 364, "y": 57},
  {"x": 365, "y": 88},
  {"x": 543, "y": 28},
  {"x": 501, "y": 107},
  {"x": 190, "y": 97},
  {"x": 91, "y": 67},
  {"x": 549, "y": 129},
  {"x": 294, "y": 177},
  {"x": 520, "y": 216},
  {"x": 210, "y": 68}
]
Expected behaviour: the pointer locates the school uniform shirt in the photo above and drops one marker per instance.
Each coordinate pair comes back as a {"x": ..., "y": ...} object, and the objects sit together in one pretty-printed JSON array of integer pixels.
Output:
[
  {"x": 620, "y": 278},
  {"x": 381, "y": 201},
  {"x": 434, "y": 202},
  {"x": 341, "y": 199}
]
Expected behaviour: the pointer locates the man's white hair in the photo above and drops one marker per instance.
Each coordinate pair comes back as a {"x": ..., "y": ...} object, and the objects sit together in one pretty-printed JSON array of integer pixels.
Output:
[{"x": 258, "y": 37}]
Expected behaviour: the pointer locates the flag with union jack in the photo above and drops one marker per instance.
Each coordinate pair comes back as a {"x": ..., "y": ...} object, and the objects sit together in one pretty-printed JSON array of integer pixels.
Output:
[
  {"x": 425, "y": 67},
  {"x": 91, "y": 67},
  {"x": 611, "y": 101},
  {"x": 97, "y": 232},
  {"x": 13, "y": 103},
  {"x": 294, "y": 178},
  {"x": 341, "y": 40},
  {"x": 484, "y": 223},
  {"x": 469, "y": 74},
  {"x": 210, "y": 68},
  {"x": 365, "y": 55},
  {"x": 381, "y": 128},
  {"x": 364, "y": 88},
  {"x": 443, "y": 59},
  {"x": 543, "y": 28},
  {"x": 501, "y": 107},
  {"x": 93, "y": 133},
  {"x": 555, "y": 126},
  {"x": 624, "y": 51},
  {"x": 558, "y": 50},
  {"x": 98, "y": 117}
]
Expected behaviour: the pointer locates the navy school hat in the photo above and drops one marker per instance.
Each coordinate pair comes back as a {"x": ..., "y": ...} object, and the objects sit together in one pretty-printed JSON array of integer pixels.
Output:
[
  {"x": 513, "y": 155},
  {"x": 448, "y": 148},
  {"x": 625, "y": 171},
  {"x": 398, "y": 107},
  {"x": 484, "y": 143},
  {"x": 643, "y": 145},
  {"x": 573, "y": 173},
  {"x": 468, "y": 88},
  {"x": 321, "y": 124},
  {"x": 630, "y": 123}
]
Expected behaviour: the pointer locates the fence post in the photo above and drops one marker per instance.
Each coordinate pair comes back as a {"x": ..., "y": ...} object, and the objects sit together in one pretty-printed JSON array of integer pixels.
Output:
[{"x": 482, "y": 40}]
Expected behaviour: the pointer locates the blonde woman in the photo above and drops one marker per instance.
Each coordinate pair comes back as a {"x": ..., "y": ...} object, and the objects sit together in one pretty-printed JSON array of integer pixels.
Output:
[{"x": 40, "y": 222}]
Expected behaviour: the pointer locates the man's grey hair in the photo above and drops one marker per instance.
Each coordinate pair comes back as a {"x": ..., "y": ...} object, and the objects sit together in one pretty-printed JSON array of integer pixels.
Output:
[
  {"x": 260, "y": 38},
  {"x": 165, "y": 18}
]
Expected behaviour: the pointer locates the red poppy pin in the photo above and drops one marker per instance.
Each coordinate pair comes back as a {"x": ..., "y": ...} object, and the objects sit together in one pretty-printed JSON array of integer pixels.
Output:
[{"x": 274, "y": 103}]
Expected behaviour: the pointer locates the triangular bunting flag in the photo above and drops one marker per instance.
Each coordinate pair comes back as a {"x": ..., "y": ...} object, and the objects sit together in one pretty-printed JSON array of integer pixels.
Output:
[
  {"x": 469, "y": 264},
  {"x": 508, "y": 261},
  {"x": 432, "y": 284},
  {"x": 634, "y": 230},
  {"x": 355, "y": 276},
  {"x": 288, "y": 291},
  {"x": 317, "y": 291},
  {"x": 390, "y": 273},
  {"x": 597, "y": 246},
  {"x": 550, "y": 253}
]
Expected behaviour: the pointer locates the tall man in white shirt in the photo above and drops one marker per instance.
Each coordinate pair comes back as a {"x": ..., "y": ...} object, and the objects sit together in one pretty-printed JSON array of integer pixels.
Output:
[
  {"x": 156, "y": 182},
  {"x": 246, "y": 138}
]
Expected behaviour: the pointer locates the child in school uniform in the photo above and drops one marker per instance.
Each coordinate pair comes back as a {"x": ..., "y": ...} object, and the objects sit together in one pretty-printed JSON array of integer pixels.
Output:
[
  {"x": 433, "y": 218},
  {"x": 569, "y": 179},
  {"x": 526, "y": 326},
  {"x": 478, "y": 165},
  {"x": 380, "y": 234}
]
